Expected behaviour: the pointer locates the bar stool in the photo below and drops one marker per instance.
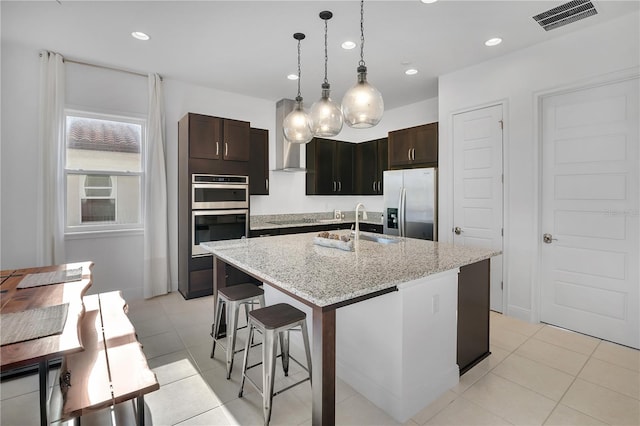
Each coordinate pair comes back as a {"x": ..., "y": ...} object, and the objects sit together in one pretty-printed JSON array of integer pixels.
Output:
[
  {"x": 272, "y": 321},
  {"x": 234, "y": 297}
]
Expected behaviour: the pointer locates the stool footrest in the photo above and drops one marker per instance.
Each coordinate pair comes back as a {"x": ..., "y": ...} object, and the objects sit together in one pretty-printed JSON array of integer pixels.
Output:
[
  {"x": 242, "y": 350},
  {"x": 306, "y": 379},
  {"x": 277, "y": 356},
  {"x": 220, "y": 338},
  {"x": 261, "y": 391}
]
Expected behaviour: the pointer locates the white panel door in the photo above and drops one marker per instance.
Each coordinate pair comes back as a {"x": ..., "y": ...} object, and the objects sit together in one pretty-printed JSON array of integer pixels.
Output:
[
  {"x": 590, "y": 222},
  {"x": 477, "y": 187}
]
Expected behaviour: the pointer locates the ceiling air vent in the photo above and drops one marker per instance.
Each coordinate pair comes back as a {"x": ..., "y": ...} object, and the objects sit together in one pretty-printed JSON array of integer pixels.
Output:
[{"x": 565, "y": 14}]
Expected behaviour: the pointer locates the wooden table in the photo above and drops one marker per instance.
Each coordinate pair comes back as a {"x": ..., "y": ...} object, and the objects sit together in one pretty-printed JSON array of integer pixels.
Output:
[{"x": 41, "y": 351}]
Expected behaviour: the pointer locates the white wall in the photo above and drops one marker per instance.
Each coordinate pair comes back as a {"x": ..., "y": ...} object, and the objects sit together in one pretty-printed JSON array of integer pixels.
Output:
[
  {"x": 118, "y": 257},
  {"x": 18, "y": 156},
  {"x": 518, "y": 79}
]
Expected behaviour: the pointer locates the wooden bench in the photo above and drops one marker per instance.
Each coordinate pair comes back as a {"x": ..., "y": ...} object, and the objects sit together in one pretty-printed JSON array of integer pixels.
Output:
[{"x": 112, "y": 368}]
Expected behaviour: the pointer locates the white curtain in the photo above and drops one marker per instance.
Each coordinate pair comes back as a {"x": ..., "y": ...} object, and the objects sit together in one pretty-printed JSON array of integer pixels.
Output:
[
  {"x": 156, "y": 259},
  {"x": 50, "y": 231}
]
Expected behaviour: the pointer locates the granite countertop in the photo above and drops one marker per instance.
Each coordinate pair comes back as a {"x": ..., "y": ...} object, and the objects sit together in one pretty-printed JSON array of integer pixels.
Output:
[
  {"x": 325, "y": 275},
  {"x": 260, "y": 222}
]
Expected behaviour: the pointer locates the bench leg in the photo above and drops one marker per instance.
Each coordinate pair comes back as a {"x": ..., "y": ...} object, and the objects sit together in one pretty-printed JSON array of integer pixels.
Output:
[
  {"x": 43, "y": 370},
  {"x": 140, "y": 404}
]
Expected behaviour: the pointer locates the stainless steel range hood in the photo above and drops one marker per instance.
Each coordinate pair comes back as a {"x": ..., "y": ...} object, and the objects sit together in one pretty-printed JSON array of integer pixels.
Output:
[{"x": 287, "y": 154}]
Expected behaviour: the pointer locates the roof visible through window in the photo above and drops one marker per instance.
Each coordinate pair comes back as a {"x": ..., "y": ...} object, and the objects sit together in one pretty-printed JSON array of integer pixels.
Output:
[{"x": 103, "y": 135}]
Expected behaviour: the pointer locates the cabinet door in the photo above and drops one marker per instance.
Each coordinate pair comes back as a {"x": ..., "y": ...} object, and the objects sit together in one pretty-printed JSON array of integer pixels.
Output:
[
  {"x": 320, "y": 159},
  {"x": 426, "y": 144},
  {"x": 383, "y": 162},
  {"x": 367, "y": 168},
  {"x": 343, "y": 168},
  {"x": 400, "y": 145},
  {"x": 259, "y": 162},
  {"x": 326, "y": 183},
  {"x": 205, "y": 137},
  {"x": 237, "y": 135}
]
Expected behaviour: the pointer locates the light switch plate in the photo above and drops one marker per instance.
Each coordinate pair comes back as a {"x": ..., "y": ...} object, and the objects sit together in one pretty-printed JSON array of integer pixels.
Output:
[{"x": 337, "y": 214}]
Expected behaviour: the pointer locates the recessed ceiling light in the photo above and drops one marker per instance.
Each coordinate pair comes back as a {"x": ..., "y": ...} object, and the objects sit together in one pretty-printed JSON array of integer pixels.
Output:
[
  {"x": 428, "y": 1},
  {"x": 493, "y": 41},
  {"x": 140, "y": 35},
  {"x": 292, "y": 76},
  {"x": 348, "y": 45},
  {"x": 411, "y": 71}
]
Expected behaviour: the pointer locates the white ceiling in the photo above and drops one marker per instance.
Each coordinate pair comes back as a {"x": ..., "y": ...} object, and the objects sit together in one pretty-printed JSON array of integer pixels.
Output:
[{"x": 247, "y": 46}]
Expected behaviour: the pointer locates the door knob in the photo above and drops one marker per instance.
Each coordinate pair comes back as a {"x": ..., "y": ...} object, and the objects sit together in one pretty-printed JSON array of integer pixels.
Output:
[
  {"x": 457, "y": 230},
  {"x": 547, "y": 238}
]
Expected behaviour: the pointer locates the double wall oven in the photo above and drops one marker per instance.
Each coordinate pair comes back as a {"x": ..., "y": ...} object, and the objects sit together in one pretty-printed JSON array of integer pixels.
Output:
[{"x": 219, "y": 208}]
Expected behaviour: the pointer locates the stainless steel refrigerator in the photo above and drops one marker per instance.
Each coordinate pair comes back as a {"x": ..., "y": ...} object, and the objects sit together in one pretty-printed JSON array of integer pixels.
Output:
[{"x": 411, "y": 203}]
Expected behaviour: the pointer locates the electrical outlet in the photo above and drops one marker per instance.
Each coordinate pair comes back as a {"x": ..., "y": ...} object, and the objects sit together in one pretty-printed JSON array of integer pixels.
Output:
[{"x": 337, "y": 214}]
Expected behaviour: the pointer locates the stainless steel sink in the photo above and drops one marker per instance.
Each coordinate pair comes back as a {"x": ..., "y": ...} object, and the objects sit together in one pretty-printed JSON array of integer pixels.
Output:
[{"x": 378, "y": 239}]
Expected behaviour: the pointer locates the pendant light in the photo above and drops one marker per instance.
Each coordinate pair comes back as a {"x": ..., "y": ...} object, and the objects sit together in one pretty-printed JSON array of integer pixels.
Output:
[
  {"x": 362, "y": 105},
  {"x": 326, "y": 115},
  {"x": 297, "y": 124}
]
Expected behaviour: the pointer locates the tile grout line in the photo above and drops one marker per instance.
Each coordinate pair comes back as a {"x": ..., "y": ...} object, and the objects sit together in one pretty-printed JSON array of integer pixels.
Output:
[
  {"x": 486, "y": 409},
  {"x": 569, "y": 387}
]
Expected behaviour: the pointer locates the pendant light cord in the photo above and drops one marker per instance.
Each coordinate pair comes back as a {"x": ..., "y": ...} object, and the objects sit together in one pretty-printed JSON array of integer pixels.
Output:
[
  {"x": 326, "y": 55},
  {"x": 361, "y": 33},
  {"x": 299, "y": 72}
]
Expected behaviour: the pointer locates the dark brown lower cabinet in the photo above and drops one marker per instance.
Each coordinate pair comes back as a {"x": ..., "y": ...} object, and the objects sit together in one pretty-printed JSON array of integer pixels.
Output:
[
  {"x": 473, "y": 315},
  {"x": 201, "y": 277}
]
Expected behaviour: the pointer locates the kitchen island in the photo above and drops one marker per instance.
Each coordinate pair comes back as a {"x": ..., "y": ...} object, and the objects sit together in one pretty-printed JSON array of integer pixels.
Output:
[{"x": 394, "y": 337}]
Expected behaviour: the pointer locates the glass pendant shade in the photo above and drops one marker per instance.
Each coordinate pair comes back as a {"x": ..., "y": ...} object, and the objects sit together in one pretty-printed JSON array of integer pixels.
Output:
[
  {"x": 326, "y": 115},
  {"x": 362, "y": 105},
  {"x": 297, "y": 125}
]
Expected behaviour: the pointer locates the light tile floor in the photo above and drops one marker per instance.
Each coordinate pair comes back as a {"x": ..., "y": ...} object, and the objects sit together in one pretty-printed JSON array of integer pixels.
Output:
[{"x": 536, "y": 374}]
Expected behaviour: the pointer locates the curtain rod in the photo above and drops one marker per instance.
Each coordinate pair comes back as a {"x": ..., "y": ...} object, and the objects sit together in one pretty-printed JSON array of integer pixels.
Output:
[{"x": 73, "y": 61}]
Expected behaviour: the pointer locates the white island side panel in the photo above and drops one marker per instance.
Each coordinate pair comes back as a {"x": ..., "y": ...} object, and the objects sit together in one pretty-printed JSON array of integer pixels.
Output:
[{"x": 398, "y": 349}]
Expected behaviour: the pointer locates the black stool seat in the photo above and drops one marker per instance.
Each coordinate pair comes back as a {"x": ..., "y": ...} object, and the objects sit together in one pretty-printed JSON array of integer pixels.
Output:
[
  {"x": 240, "y": 291},
  {"x": 276, "y": 316}
]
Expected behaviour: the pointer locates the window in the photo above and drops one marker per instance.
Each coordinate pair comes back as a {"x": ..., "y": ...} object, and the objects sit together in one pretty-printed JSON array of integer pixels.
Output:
[{"x": 103, "y": 172}]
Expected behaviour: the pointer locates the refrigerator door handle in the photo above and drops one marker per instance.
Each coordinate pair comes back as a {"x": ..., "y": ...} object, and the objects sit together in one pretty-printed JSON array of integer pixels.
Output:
[
  {"x": 400, "y": 213},
  {"x": 403, "y": 206}
]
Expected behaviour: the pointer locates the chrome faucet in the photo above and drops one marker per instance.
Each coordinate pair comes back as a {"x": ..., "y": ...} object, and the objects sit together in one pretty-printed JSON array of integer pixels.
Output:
[{"x": 364, "y": 217}]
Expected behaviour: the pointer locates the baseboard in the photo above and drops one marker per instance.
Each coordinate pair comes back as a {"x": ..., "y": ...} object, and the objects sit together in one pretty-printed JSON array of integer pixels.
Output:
[{"x": 518, "y": 312}]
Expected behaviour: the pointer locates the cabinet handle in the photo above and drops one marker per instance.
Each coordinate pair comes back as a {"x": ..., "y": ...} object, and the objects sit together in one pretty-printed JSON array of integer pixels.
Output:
[
  {"x": 217, "y": 148},
  {"x": 409, "y": 154},
  {"x": 339, "y": 186},
  {"x": 226, "y": 149},
  {"x": 334, "y": 186},
  {"x": 374, "y": 186},
  {"x": 266, "y": 184},
  {"x": 413, "y": 154}
]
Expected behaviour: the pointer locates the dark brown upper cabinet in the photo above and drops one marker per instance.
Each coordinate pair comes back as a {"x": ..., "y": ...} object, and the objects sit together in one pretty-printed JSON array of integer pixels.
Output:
[
  {"x": 370, "y": 162},
  {"x": 215, "y": 138},
  {"x": 414, "y": 147},
  {"x": 330, "y": 167},
  {"x": 259, "y": 162}
]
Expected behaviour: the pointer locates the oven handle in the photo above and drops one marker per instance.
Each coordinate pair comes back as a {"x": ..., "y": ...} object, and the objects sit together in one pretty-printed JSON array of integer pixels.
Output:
[
  {"x": 220, "y": 185},
  {"x": 219, "y": 212}
]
